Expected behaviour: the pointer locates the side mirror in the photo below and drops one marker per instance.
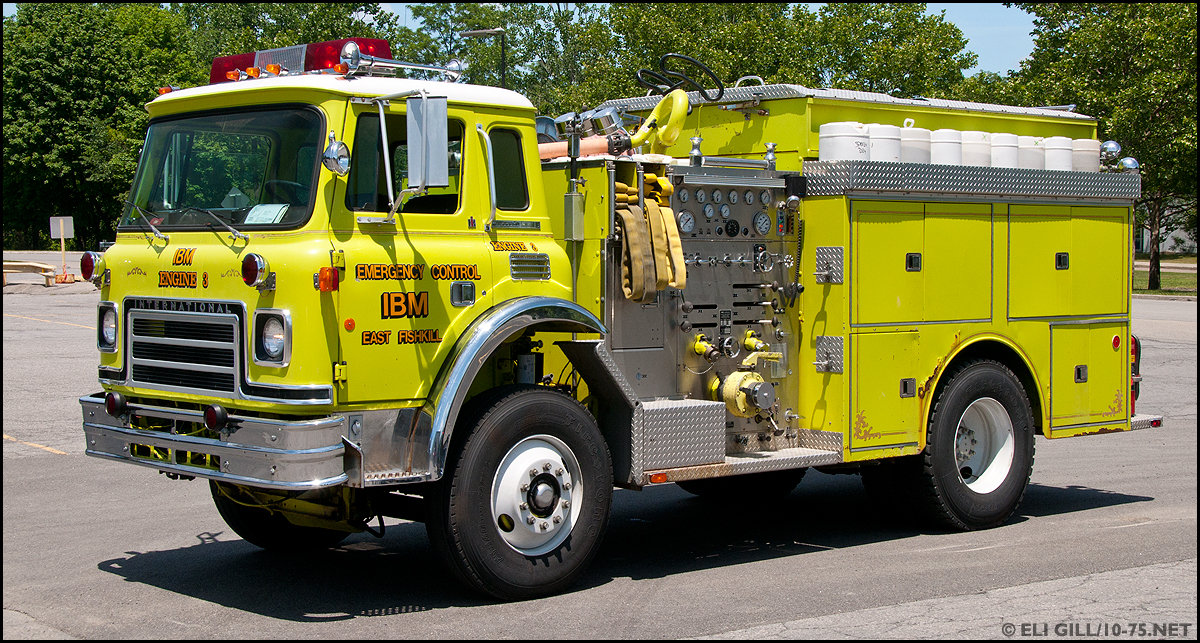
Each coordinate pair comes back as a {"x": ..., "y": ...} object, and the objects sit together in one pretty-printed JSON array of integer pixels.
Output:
[
  {"x": 336, "y": 156},
  {"x": 428, "y": 143}
]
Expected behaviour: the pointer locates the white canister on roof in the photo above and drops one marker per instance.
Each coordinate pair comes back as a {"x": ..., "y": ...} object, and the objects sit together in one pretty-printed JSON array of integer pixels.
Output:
[
  {"x": 945, "y": 147},
  {"x": 1058, "y": 152},
  {"x": 1004, "y": 150},
  {"x": 976, "y": 148},
  {"x": 1031, "y": 154},
  {"x": 885, "y": 142},
  {"x": 914, "y": 143},
  {"x": 843, "y": 141},
  {"x": 1085, "y": 155}
]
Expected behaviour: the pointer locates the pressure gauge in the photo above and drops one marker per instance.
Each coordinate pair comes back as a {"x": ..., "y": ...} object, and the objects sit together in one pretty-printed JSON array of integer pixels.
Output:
[
  {"x": 762, "y": 223},
  {"x": 749, "y": 197},
  {"x": 764, "y": 197},
  {"x": 725, "y": 211},
  {"x": 733, "y": 197},
  {"x": 718, "y": 196},
  {"x": 683, "y": 196},
  {"x": 732, "y": 227},
  {"x": 701, "y": 196},
  {"x": 687, "y": 222},
  {"x": 709, "y": 210}
]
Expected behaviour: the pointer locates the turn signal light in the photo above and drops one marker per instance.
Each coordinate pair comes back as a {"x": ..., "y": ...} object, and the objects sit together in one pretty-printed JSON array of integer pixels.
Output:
[
  {"x": 658, "y": 478},
  {"x": 327, "y": 279}
]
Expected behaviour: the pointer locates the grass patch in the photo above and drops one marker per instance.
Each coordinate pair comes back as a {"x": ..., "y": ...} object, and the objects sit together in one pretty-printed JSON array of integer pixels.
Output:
[
  {"x": 1167, "y": 257},
  {"x": 1172, "y": 283}
]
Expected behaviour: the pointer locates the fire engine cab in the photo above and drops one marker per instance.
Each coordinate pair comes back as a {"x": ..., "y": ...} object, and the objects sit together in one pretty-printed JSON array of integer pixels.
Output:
[{"x": 340, "y": 295}]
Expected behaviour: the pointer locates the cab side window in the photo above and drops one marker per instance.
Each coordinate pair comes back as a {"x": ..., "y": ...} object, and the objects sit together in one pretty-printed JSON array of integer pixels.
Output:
[
  {"x": 508, "y": 167},
  {"x": 366, "y": 185}
]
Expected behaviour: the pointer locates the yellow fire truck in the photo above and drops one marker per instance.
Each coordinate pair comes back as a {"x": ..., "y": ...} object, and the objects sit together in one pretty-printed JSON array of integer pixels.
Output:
[{"x": 341, "y": 295}]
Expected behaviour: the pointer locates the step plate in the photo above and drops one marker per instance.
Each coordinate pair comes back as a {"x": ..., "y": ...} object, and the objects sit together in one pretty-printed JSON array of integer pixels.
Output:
[{"x": 754, "y": 463}]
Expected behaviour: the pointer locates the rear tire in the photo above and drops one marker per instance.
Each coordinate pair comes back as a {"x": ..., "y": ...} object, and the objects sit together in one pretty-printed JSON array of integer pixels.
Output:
[
  {"x": 269, "y": 530},
  {"x": 523, "y": 504},
  {"x": 979, "y": 454}
]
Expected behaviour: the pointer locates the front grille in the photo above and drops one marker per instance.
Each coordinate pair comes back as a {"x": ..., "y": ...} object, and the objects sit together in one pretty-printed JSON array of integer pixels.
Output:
[{"x": 175, "y": 350}]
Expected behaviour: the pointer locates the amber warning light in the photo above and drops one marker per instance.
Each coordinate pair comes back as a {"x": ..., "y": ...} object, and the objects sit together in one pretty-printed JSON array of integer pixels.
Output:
[{"x": 315, "y": 57}]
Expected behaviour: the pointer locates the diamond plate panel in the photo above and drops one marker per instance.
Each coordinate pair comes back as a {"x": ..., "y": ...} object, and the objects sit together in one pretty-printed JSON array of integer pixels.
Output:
[
  {"x": 828, "y": 266},
  {"x": 768, "y": 92},
  {"x": 832, "y": 178},
  {"x": 680, "y": 433},
  {"x": 829, "y": 354}
]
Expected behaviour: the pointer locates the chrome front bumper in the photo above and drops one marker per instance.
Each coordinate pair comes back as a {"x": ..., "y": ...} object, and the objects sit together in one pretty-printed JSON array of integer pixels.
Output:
[{"x": 260, "y": 452}]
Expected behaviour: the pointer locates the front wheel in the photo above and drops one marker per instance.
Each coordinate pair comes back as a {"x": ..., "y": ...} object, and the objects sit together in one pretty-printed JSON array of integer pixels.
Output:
[
  {"x": 980, "y": 448},
  {"x": 525, "y": 499}
]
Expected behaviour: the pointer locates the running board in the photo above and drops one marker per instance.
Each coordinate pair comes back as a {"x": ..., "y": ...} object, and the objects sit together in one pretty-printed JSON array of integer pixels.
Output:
[{"x": 742, "y": 463}]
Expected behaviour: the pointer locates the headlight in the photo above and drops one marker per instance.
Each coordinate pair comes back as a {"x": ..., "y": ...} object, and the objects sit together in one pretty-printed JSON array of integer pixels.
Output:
[
  {"x": 107, "y": 337},
  {"x": 273, "y": 339}
]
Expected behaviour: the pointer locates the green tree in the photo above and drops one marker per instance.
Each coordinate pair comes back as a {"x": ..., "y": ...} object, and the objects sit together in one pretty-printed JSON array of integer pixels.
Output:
[
  {"x": 76, "y": 79},
  {"x": 890, "y": 48},
  {"x": 223, "y": 29},
  {"x": 1133, "y": 67}
]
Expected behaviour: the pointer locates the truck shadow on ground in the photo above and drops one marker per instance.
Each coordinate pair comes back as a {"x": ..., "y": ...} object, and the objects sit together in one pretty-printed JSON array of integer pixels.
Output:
[{"x": 658, "y": 532}]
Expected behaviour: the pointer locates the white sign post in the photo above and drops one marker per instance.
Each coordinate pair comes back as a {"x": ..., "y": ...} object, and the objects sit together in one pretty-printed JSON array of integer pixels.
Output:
[{"x": 63, "y": 228}]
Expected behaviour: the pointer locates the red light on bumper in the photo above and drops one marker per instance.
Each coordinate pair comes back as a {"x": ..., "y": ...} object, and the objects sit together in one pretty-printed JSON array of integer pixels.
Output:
[
  {"x": 114, "y": 404},
  {"x": 215, "y": 417}
]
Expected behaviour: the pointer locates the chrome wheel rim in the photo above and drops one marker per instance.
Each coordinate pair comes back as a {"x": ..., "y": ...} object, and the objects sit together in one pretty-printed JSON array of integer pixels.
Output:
[
  {"x": 984, "y": 445},
  {"x": 533, "y": 494}
]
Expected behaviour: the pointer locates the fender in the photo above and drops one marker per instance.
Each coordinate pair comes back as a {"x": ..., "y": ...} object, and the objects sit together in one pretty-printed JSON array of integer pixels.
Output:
[{"x": 476, "y": 344}]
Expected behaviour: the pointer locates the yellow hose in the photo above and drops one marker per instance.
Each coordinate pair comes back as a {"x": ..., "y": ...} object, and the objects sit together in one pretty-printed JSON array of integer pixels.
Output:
[{"x": 664, "y": 135}]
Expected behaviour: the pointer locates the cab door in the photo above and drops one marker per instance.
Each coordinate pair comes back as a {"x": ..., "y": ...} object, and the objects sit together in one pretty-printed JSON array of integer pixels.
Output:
[{"x": 409, "y": 287}]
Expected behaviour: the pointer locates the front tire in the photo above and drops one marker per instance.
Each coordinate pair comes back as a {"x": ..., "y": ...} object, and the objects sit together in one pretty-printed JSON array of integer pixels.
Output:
[
  {"x": 979, "y": 455},
  {"x": 525, "y": 498}
]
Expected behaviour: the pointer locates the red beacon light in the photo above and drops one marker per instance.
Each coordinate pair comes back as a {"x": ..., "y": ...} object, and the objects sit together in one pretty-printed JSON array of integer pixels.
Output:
[{"x": 315, "y": 57}]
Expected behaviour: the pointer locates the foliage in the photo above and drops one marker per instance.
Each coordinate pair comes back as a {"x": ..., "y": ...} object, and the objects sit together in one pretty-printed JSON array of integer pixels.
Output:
[
  {"x": 1133, "y": 67},
  {"x": 75, "y": 79}
]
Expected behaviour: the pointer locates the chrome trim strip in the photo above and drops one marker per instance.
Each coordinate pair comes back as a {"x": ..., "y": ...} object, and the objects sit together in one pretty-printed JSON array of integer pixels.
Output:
[{"x": 477, "y": 342}]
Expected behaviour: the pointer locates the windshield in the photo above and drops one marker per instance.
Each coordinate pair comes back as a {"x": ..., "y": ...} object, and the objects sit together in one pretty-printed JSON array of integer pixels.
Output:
[{"x": 249, "y": 169}]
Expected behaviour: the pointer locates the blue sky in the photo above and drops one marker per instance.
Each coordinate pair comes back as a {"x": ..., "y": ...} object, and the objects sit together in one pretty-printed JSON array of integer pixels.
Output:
[{"x": 997, "y": 34}]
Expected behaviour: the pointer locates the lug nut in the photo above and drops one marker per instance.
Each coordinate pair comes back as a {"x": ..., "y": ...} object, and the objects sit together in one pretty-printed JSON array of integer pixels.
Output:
[
  {"x": 544, "y": 526},
  {"x": 546, "y": 467},
  {"x": 530, "y": 520},
  {"x": 566, "y": 504},
  {"x": 557, "y": 519},
  {"x": 523, "y": 506},
  {"x": 558, "y": 472},
  {"x": 533, "y": 473},
  {"x": 567, "y": 485}
]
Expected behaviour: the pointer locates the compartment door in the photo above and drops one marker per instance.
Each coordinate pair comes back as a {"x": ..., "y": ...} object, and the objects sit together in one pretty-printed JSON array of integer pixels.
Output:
[
  {"x": 884, "y": 411},
  {"x": 958, "y": 261},
  {"x": 1089, "y": 379},
  {"x": 887, "y": 288}
]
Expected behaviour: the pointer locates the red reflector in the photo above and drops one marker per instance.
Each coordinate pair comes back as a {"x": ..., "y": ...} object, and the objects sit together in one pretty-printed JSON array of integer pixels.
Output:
[
  {"x": 1116, "y": 342},
  {"x": 657, "y": 478},
  {"x": 349, "y": 324},
  {"x": 327, "y": 279},
  {"x": 1155, "y": 423}
]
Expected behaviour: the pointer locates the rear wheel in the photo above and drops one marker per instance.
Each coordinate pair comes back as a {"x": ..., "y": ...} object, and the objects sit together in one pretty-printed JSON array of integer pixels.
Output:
[
  {"x": 767, "y": 485},
  {"x": 525, "y": 499},
  {"x": 260, "y": 526},
  {"x": 979, "y": 456}
]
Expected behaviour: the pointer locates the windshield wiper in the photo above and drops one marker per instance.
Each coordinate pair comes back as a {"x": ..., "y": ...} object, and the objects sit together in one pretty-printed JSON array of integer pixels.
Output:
[
  {"x": 236, "y": 234},
  {"x": 146, "y": 214}
]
